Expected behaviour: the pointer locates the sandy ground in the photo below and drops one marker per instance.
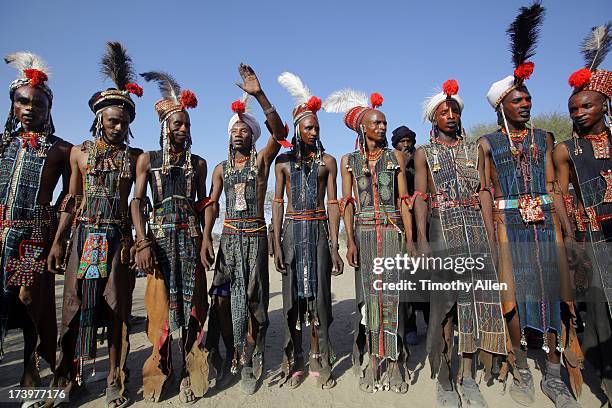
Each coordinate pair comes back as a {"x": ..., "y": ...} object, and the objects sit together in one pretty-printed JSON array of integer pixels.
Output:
[{"x": 345, "y": 394}]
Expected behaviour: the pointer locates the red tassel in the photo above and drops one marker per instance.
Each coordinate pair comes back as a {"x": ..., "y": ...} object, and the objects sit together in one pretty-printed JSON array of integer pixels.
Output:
[
  {"x": 134, "y": 89},
  {"x": 313, "y": 104},
  {"x": 35, "y": 76},
  {"x": 238, "y": 107},
  {"x": 376, "y": 100},
  {"x": 524, "y": 70},
  {"x": 188, "y": 99},
  {"x": 450, "y": 87},
  {"x": 285, "y": 143},
  {"x": 580, "y": 78}
]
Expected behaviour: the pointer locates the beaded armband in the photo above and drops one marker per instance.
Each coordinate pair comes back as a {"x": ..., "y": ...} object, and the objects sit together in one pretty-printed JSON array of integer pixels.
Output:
[
  {"x": 344, "y": 201},
  {"x": 332, "y": 202},
  {"x": 278, "y": 201},
  {"x": 70, "y": 203}
]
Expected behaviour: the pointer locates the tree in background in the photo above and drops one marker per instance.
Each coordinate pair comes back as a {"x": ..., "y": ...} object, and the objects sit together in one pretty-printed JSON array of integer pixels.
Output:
[{"x": 559, "y": 124}]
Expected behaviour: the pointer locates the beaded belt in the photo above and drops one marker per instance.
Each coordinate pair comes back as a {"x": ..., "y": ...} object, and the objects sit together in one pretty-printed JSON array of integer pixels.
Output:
[
  {"x": 229, "y": 223},
  {"x": 514, "y": 203},
  {"x": 122, "y": 223},
  {"x": 441, "y": 203},
  {"x": 307, "y": 215}
]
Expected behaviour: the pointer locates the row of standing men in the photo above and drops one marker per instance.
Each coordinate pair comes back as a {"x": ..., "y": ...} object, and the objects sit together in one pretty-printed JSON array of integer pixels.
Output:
[{"x": 506, "y": 195}]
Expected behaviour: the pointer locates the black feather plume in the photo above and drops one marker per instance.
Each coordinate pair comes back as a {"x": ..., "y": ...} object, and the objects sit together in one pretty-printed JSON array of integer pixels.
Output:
[
  {"x": 524, "y": 32},
  {"x": 169, "y": 88},
  {"x": 117, "y": 65},
  {"x": 596, "y": 45}
]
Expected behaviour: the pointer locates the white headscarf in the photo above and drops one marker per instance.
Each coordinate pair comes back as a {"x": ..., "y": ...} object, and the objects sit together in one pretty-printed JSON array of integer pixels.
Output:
[
  {"x": 431, "y": 104},
  {"x": 499, "y": 90},
  {"x": 249, "y": 120}
]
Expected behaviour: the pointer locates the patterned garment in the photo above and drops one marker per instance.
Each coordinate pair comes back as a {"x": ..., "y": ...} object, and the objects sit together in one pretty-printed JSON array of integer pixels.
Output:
[
  {"x": 597, "y": 234},
  {"x": 26, "y": 227},
  {"x": 377, "y": 234},
  {"x": 480, "y": 317},
  {"x": 100, "y": 229},
  {"x": 535, "y": 261},
  {"x": 243, "y": 253},
  {"x": 304, "y": 195},
  {"x": 593, "y": 187},
  {"x": 175, "y": 226}
]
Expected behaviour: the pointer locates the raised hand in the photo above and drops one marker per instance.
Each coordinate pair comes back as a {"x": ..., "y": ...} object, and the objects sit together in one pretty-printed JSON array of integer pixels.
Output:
[{"x": 250, "y": 83}]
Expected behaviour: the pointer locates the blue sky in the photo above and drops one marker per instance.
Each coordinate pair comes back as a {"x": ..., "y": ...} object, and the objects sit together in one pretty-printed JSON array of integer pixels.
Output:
[{"x": 401, "y": 49}]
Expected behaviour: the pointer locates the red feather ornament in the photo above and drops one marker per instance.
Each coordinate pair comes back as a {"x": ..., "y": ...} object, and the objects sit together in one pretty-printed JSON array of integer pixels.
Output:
[
  {"x": 376, "y": 100},
  {"x": 313, "y": 104},
  {"x": 35, "y": 76},
  {"x": 134, "y": 89},
  {"x": 580, "y": 78},
  {"x": 238, "y": 107},
  {"x": 524, "y": 70},
  {"x": 188, "y": 99},
  {"x": 450, "y": 87}
]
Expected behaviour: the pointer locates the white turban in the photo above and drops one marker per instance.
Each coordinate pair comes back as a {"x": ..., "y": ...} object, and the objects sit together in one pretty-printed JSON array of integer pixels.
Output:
[
  {"x": 249, "y": 120},
  {"x": 499, "y": 90},
  {"x": 431, "y": 104}
]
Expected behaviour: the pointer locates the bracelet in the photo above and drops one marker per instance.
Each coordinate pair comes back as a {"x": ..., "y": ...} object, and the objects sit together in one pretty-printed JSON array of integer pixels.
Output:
[
  {"x": 270, "y": 110},
  {"x": 279, "y": 201}
]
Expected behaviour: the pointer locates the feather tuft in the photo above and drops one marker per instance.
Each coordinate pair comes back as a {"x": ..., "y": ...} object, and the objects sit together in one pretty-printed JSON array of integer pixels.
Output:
[
  {"x": 596, "y": 45},
  {"x": 25, "y": 60},
  {"x": 343, "y": 100},
  {"x": 524, "y": 32},
  {"x": 294, "y": 85},
  {"x": 116, "y": 65},
  {"x": 168, "y": 87}
]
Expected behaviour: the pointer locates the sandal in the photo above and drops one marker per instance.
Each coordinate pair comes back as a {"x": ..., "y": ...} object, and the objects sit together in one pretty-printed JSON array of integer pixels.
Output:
[
  {"x": 248, "y": 382},
  {"x": 186, "y": 395},
  {"x": 366, "y": 383},
  {"x": 323, "y": 375},
  {"x": 112, "y": 395},
  {"x": 296, "y": 379},
  {"x": 396, "y": 382},
  {"x": 447, "y": 399},
  {"x": 471, "y": 395}
]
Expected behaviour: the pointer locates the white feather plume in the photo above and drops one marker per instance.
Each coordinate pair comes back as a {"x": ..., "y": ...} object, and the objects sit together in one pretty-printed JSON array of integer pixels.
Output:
[
  {"x": 26, "y": 60},
  {"x": 246, "y": 99},
  {"x": 294, "y": 85},
  {"x": 345, "y": 99},
  {"x": 596, "y": 45}
]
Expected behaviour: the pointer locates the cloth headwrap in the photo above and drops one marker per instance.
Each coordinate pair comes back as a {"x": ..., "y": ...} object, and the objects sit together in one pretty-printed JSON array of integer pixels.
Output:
[
  {"x": 449, "y": 91},
  {"x": 594, "y": 49},
  {"x": 523, "y": 33},
  {"x": 31, "y": 70},
  {"x": 117, "y": 66},
  {"x": 400, "y": 133},
  {"x": 249, "y": 120}
]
